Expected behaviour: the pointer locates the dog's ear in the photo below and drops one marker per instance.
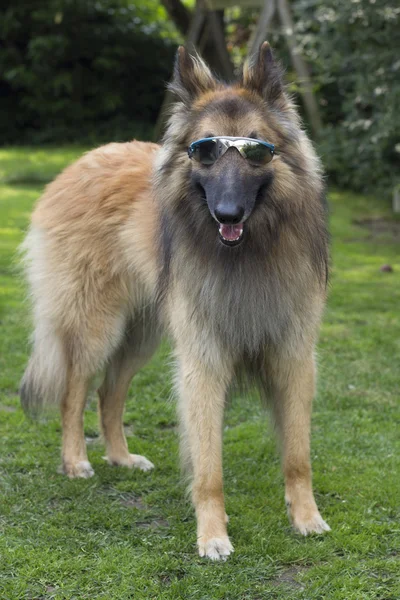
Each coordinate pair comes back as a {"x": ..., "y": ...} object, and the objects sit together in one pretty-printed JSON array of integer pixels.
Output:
[
  {"x": 192, "y": 77},
  {"x": 263, "y": 75}
]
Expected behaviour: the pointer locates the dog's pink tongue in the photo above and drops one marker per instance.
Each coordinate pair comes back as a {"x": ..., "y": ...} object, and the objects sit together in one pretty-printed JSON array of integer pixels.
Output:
[{"x": 231, "y": 232}]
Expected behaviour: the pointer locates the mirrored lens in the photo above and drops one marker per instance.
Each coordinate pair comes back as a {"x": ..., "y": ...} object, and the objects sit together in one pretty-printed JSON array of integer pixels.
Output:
[
  {"x": 206, "y": 152},
  {"x": 256, "y": 153}
]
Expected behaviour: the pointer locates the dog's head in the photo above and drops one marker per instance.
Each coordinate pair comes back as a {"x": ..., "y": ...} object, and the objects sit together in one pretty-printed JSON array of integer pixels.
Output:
[{"x": 229, "y": 182}]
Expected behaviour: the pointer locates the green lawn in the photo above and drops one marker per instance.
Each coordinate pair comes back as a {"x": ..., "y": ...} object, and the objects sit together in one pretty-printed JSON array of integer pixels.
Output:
[{"x": 127, "y": 534}]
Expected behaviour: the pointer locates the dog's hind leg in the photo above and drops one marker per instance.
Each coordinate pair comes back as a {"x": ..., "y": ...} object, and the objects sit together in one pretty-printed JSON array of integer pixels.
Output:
[
  {"x": 74, "y": 458},
  {"x": 112, "y": 393},
  {"x": 293, "y": 382}
]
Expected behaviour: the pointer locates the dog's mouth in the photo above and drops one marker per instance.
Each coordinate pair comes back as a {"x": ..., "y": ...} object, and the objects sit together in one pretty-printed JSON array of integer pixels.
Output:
[{"x": 231, "y": 235}]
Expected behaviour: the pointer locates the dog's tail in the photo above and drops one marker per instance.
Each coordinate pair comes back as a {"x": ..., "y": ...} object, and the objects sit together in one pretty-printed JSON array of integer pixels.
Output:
[{"x": 44, "y": 382}]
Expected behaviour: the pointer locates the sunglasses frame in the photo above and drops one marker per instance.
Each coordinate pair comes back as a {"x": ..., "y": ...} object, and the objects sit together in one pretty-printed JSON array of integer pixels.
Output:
[{"x": 226, "y": 138}]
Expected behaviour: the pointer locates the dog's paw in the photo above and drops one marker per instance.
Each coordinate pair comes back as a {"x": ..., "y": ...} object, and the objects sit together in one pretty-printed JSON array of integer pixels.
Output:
[
  {"x": 81, "y": 469},
  {"x": 304, "y": 515},
  {"x": 216, "y": 548},
  {"x": 132, "y": 461},
  {"x": 311, "y": 524}
]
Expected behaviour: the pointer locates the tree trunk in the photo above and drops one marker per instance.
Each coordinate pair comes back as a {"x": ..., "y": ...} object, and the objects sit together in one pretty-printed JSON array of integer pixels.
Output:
[
  {"x": 179, "y": 14},
  {"x": 259, "y": 34},
  {"x": 300, "y": 66},
  {"x": 215, "y": 51},
  {"x": 210, "y": 41}
]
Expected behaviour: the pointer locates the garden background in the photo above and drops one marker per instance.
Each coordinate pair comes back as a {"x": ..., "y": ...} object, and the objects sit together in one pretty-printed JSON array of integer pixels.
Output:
[{"x": 75, "y": 74}]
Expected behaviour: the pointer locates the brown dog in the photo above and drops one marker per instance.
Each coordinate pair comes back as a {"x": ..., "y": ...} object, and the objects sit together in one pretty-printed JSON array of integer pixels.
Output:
[{"x": 227, "y": 254}]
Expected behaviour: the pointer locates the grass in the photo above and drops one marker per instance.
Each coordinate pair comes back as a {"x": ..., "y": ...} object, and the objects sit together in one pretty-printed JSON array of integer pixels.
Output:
[{"x": 125, "y": 534}]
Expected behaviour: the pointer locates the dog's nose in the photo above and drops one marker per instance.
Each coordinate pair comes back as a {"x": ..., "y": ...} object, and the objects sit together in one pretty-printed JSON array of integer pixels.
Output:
[{"x": 229, "y": 215}]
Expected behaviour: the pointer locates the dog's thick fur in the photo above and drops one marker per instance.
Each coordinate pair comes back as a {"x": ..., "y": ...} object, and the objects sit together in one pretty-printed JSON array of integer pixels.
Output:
[{"x": 123, "y": 245}]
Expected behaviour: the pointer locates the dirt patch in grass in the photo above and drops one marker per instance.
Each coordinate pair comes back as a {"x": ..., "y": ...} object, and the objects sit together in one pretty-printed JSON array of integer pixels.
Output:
[
  {"x": 288, "y": 577},
  {"x": 166, "y": 425},
  {"x": 380, "y": 226},
  {"x": 129, "y": 430},
  {"x": 132, "y": 501},
  {"x": 92, "y": 439},
  {"x": 8, "y": 409},
  {"x": 154, "y": 524}
]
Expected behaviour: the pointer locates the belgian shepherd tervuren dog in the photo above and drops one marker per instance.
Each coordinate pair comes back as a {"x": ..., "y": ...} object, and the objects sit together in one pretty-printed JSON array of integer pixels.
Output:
[{"x": 217, "y": 237}]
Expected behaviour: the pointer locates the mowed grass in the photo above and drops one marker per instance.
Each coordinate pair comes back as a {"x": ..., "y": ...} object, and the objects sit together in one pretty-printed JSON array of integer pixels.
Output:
[{"x": 126, "y": 534}]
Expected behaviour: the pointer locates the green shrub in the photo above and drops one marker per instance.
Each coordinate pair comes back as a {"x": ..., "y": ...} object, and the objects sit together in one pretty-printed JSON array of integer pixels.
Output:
[
  {"x": 352, "y": 47},
  {"x": 352, "y": 51},
  {"x": 74, "y": 69}
]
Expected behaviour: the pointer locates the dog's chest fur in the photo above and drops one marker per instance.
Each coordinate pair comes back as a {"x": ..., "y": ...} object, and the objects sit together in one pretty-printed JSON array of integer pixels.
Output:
[{"x": 248, "y": 305}]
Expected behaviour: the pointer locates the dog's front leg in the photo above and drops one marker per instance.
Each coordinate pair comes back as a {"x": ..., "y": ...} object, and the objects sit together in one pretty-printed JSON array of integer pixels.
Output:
[
  {"x": 202, "y": 390},
  {"x": 293, "y": 381}
]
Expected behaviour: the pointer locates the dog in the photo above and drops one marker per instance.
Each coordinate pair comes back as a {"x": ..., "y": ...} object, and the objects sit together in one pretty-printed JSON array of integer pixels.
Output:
[{"x": 217, "y": 237}]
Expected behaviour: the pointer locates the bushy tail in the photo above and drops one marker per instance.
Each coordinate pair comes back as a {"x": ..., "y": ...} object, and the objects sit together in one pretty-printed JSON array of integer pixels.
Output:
[{"x": 45, "y": 379}]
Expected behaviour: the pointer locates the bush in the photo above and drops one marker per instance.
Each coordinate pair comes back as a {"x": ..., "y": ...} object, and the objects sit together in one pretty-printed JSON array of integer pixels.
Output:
[
  {"x": 73, "y": 69},
  {"x": 352, "y": 48}
]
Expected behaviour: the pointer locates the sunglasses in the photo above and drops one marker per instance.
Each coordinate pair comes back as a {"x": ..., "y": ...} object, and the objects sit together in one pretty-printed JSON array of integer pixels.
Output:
[{"x": 208, "y": 150}]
